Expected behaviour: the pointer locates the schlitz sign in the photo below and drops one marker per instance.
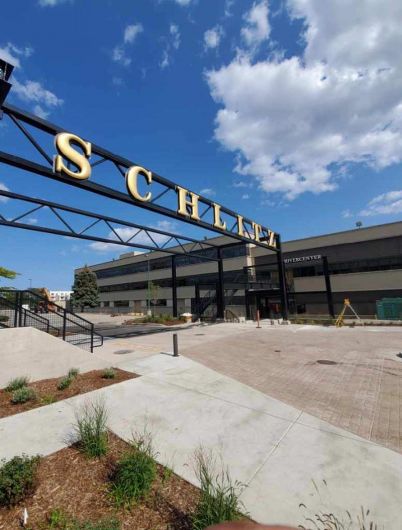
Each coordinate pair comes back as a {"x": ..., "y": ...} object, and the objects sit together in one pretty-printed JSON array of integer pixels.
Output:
[{"x": 188, "y": 202}]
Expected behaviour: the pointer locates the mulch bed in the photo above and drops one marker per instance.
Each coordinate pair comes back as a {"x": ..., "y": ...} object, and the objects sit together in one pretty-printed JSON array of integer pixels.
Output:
[
  {"x": 69, "y": 481},
  {"x": 46, "y": 390}
]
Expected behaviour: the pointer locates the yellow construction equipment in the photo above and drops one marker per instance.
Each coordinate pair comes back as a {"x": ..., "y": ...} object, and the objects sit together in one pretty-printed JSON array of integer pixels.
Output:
[{"x": 346, "y": 305}]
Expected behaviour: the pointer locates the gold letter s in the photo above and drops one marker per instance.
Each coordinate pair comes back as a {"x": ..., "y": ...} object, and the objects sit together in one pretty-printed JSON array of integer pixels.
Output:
[
  {"x": 63, "y": 145},
  {"x": 132, "y": 182}
]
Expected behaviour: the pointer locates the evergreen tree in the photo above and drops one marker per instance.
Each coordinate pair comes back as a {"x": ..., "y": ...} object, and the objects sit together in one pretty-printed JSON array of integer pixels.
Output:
[{"x": 85, "y": 289}]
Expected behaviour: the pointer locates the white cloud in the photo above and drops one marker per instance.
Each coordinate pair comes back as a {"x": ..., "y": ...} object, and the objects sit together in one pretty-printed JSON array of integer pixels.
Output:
[
  {"x": 212, "y": 37},
  {"x": 33, "y": 91},
  {"x": 119, "y": 52},
  {"x": 295, "y": 122},
  {"x": 208, "y": 192},
  {"x": 241, "y": 184},
  {"x": 119, "y": 56},
  {"x": 183, "y": 2},
  {"x": 174, "y": 31},
  {"x": 127, "y": 232},
  {"x": 257, "y": 28},
  {"x": 245, "y": 196},
  {"x": 12, "y": 54},
  {"x": 384, "y": 204},
  {"x": 228, "y": 8},
  {"x": 41, "y": 112},
  {"x": 131, "y": 32},
  {"x": 4, "y": 188},
  {"x": 347, "y": 214},
  {"x": 172, "y": 42},
  {"x": 31, "y": 221}
]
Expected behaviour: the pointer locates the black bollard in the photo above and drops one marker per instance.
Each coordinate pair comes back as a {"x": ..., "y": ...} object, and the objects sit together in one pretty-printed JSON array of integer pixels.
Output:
[{"x": 175, "y": 345}]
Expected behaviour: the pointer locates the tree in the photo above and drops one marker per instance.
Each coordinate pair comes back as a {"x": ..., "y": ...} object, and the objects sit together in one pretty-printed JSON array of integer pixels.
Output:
[
  {"x": 7, "y": 273},
  {"x": 85, "y": 289}
]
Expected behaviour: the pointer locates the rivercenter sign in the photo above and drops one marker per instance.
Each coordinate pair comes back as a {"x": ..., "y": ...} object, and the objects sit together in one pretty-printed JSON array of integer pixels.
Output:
[{"x": 187, "y": 201}]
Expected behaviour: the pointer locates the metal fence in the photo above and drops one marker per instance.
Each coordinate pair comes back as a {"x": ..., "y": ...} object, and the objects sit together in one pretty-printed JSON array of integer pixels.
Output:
[{"x": 27, "y": 308}]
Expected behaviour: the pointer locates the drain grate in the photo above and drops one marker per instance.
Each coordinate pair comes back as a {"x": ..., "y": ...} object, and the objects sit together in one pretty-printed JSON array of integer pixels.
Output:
[
  {"x": 199, "y": 334},
  {"x": 122, "y": 352},
  {"x": 326, "y": 361}
]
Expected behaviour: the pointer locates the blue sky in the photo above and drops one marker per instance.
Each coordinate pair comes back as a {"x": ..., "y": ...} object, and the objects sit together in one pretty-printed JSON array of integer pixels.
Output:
[{"x": 288, "y": 111}]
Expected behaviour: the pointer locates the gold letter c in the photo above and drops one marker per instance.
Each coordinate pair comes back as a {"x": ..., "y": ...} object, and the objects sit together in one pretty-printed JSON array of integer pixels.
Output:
[{"x": 132, "y": 182}]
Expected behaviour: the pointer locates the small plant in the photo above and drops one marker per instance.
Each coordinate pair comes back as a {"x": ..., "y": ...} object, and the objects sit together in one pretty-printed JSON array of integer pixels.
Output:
[
  {"x": 135, "y": 473},
  {"x": 60, "y": 521},
  {"x": 219, "y": 501},
  {"x": 73, "y": 372},
  {"x": 91, "y": 429},
  {"x": 16, "y": 383},
  {"x": 64, "y": 382},
  {"x": 166, "y": 475},
  {"x": 109, "y": 373},
  {"x": 17, "y": 479},
  {"x": 22, "y": 395},
  {"x": 48, "y": 399}
]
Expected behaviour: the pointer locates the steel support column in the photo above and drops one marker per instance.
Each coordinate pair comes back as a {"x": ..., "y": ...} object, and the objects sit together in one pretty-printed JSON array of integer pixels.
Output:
[
  {"x": 282, "y": 280},
  {"x": 197, "y": 299},
  {"x": 220, "y": 291},
  {"x": 328, "y": 288},
  {"x": 174, "y": 287}
]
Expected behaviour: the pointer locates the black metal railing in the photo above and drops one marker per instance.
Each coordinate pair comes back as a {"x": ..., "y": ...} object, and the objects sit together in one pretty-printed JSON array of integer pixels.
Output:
[{"x": 28, "y": 308}]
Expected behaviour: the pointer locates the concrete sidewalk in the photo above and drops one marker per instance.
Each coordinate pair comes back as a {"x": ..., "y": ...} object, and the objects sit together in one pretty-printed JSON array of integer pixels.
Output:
[
  {"x": 38, "y": 355},
  {"x": 278, "y": 452}
]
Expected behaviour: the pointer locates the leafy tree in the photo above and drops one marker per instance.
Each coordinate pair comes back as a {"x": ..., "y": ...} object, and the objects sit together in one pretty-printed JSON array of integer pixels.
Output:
[
  {"x": 85, "y": 289},
  {"x": 7, "y": 273}
]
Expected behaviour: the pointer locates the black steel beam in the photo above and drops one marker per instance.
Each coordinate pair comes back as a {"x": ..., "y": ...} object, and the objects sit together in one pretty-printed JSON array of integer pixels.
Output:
[
  {"x": 220, "y": 292},
  {"x": 328, "y": 288},
  {"x": 174, "y": 287},
  {"x": 98, "y": 217},
  {"x": 282, "y": 281},
  {"x": 119, "y": 162}
]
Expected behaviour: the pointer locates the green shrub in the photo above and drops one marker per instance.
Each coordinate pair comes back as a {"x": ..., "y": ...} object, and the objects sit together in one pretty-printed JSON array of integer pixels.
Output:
[
  {"x": 16, "y": 383},
  {"x": 109, "y": 373},
  {"x": 219, "y": 500},
  {"x": 17, "y": 479},
  {"x": 134, "y": 473},
  {"x": 73, "y": 372},
  {"x": 60, "y": 521},
  {"x": 4, "y": 318},
  {"x": 91, "y": 429},
  {"x": 64, "y": 382},
  {"x": 48, "y": 399},
  {"x": 22, "y": 395}
]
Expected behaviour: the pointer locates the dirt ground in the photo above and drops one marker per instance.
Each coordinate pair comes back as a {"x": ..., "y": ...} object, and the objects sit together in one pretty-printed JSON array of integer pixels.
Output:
[
  {"x": 47, "y": 392},
  {"x": 78, "y": 486}
]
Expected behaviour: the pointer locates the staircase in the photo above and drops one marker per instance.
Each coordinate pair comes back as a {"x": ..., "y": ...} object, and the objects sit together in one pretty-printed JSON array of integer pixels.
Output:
[{"x": 27, "y": 308}]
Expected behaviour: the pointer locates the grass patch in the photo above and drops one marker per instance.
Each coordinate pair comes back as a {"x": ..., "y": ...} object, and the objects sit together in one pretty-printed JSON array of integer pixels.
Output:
[
  {"x": 17, "y": 479},
  {"x": 73, "y": 372},
  {"x": 91, "y": 429},
  {"x": 16, "y": 383},
  {"x": 48, "y": 399},
  {"x": 58, "y": 520},
  {"x": 64, "y": 382},
  {"x": 219, "y": 500},
  {"x": 134, "y": 473},
  {"x": 22, "y": 395},
  {"x": 109, "y": 373}
]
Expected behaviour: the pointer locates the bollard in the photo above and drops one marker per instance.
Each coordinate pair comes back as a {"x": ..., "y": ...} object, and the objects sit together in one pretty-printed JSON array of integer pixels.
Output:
[
  {"x": 258, "y": 319},
  {"x": 175, "y": 345}
]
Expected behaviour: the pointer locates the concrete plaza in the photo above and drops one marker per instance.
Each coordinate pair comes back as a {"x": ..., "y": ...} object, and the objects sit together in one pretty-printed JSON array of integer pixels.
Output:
[
  {"x": 282, "y": 454},
  {"x": 359, "y": 390}
]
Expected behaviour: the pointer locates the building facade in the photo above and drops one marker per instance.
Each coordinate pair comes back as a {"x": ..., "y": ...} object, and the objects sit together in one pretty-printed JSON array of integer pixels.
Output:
[{"x": 364, "y": 265}]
